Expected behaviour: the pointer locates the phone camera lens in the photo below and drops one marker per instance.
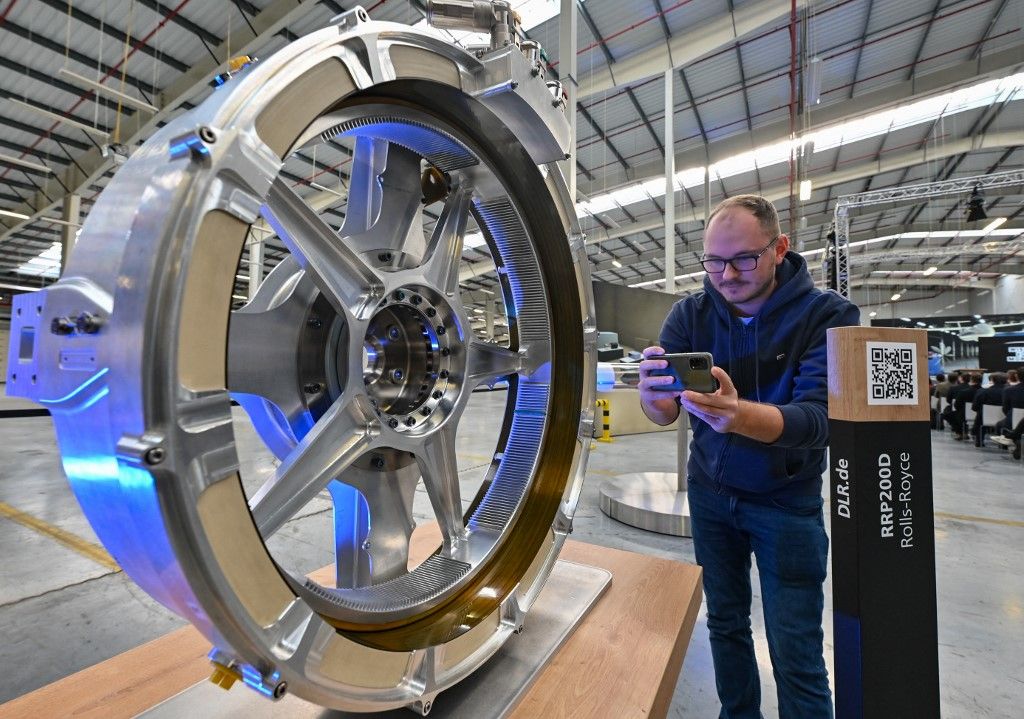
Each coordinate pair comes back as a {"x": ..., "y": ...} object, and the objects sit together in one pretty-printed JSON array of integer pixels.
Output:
[{"x": 696, "y": 363}]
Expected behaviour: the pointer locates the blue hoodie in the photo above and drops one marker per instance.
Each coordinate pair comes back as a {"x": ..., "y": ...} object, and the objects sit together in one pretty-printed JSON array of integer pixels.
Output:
[{"x": 778, "y": 358}]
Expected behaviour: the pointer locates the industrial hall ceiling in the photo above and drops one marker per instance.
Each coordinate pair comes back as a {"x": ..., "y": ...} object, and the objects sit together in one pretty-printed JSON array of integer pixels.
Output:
[{"x": 803, "y": 102}]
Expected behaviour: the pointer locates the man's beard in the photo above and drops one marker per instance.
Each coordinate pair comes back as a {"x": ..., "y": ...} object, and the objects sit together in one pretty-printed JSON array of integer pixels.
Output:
[{"x": 760, "y": 291}]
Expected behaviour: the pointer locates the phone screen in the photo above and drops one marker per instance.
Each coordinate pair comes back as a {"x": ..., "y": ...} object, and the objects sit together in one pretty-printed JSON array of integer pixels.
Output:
[{"x": 691, "y": 370}]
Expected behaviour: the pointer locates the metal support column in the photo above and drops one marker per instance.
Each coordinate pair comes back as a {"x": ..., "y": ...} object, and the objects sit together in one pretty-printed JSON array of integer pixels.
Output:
[
  {"x": 707, "y": 192},
  {"x": 255, "y": 264},
  {"x": 656, "y": 501},
  {"x": 670, "y": 189},
  {"x": 567, "y": 75},
  {"x": 71, "y": 216}
]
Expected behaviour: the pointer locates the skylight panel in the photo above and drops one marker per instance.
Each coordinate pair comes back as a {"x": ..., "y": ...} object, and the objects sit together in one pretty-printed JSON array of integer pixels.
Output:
[
  {"x": 690, "y": 177},
  {"x": 632, "y": 194},
  {"x": 534, "y": 12},
  {"x": 45, "y": 264},
  {"x": 874, "y": 125}
]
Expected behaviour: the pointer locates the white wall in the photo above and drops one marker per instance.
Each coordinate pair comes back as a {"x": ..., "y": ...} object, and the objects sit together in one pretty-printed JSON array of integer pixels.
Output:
[{"x": 1008, "y": 296}]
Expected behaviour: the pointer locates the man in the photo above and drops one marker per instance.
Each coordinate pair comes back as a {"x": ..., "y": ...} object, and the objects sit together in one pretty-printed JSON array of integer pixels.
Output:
[
  {"x": 959, "y": 398},
  {"x": 991, "y": 395},
  {"x": 758, "y": 451},
  {"x": 1013, "y": 398},
  {"x": 940, "y": 390},
  {"x": 959, "y": 380}
]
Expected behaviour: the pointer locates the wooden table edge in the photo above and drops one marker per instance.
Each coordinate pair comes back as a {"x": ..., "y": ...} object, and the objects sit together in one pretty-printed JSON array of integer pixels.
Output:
[{"x": 139, "y": 678}]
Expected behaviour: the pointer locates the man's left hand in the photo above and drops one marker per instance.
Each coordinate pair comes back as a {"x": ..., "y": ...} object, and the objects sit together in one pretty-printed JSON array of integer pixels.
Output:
[
  {"x": 726, "y": 412},
  {"x": 720, "y": 409}
]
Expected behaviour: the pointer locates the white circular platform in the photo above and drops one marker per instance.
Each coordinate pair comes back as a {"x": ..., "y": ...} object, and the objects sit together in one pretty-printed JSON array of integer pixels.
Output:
[{"x": 647, "y": 500}]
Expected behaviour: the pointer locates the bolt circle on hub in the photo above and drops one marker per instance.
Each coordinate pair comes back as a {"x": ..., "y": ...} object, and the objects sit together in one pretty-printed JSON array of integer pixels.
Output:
[{"x": 408, "y": 357}]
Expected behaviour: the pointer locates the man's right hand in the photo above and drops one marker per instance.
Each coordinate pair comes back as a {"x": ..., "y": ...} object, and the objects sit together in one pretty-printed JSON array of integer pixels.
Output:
[{"x": 661, "y": 406}]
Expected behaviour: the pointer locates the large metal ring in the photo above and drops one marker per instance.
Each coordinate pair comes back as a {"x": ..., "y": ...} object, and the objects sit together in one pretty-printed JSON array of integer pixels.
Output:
[{"x": 355, "y": 361}]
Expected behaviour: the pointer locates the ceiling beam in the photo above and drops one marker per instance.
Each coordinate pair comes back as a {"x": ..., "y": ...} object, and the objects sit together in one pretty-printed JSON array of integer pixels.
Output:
[
  {"x": 92, "y": 164},
  {"x": 685, "y": 48},
  {"x": 997, "y": 64},
  {"x": 896, "y": 161},
  {"x": 938, "y": 282}
]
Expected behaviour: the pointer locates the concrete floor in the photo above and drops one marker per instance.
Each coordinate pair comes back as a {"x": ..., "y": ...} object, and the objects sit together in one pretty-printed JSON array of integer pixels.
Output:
[{"x": 61, "y": 610}]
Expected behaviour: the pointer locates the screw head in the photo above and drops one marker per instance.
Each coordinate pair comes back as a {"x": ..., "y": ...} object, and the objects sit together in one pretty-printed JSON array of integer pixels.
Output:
[
  {"x": 377, "y": 462},
  {"x": 62, "y": 326},
  {"x": 206, "y": 134},
  {"x": 431, "y": 312},
  {"x": 410, "y": 421},
  {"x": 280, "y": 690},
  {"x": 385, "y": 257},
  {"x": 425, "y": 411},
  {"x": 397, "y": 375},
  {"x": 154, "y": 455},
  {"x": 441, "y": 330},
  {"x": 445, "y": 351},
  {"x": 437, "y": 394},
  {"x": 312, "y": 387},
  {"x": 392, "y": 423},
  {"x": 399, "y": 295},
  {"x": 315, "y": 322},
  {"x": 393, "y": 332},
  {"x": 88, "y": 323},
  {"x": 415, "y": 299},
  {"x": 443, "y": 374}
]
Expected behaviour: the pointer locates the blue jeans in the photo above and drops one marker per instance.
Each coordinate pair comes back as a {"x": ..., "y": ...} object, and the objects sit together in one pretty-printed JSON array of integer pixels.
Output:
[{"x": 789, "y": 542}]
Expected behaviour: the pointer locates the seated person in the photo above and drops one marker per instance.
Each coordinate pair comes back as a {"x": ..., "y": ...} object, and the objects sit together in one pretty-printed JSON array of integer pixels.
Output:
[
  {"x": 953, "y": 414},
  {"x": 992, "y": 396},
  {"x": 940, "y": 390},
  {"x": 1013, "y": 398}
]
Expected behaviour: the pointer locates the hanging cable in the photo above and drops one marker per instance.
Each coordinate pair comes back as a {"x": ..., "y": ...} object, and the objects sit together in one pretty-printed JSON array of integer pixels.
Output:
[{"x": 124, "y": 69}]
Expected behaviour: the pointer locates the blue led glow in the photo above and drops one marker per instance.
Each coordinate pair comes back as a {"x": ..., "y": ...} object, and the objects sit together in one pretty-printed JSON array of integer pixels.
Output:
[
  {"x": 252, "y": 677},
  {"x": 80, "y": 388},
  {"x": 429, "y": 142},
  {"x": 187, "y": 145},
  {"x": 90, "y": 468}
]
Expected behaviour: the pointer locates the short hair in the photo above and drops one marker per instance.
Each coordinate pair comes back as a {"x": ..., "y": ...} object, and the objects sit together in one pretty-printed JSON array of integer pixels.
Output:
[
  {"x": 763, "y": 210},
  {"x": 976, "y": 378},
  {"x": 998, "y": 378},
  {"x": 1013, "y": 376},
  {"x": 940, "y": 377}
]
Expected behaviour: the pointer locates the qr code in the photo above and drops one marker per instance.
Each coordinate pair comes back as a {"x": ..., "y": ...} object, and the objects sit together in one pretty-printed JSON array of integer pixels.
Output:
[{"x": 892, "y": 373}]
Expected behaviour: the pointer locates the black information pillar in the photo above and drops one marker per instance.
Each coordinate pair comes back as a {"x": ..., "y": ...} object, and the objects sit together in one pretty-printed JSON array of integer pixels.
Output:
[{"x": 883, "y": 539}]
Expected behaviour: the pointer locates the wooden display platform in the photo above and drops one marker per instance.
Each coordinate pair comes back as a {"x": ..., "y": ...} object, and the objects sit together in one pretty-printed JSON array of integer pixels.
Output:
[{"x": 622, "y": 661}]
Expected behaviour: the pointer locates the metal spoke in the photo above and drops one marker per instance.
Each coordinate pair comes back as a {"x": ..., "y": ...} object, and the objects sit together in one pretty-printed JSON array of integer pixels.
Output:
[
  {"x": 373, "y": 521},
  {"x": 444, "y": 251},
  {"x": 488, "y": 362},
  {"x": 346, "y": 280},
  {"x": 384, "y": 216},
  {"x": 365, "y": 195},
  {"x": 257, "y": 369},
  {"x": 437, "y": 462},
  {"x": 345, "y": 432}
]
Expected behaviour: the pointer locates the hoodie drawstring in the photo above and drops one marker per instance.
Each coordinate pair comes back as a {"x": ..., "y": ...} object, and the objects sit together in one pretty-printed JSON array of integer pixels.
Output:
[{"x": 757, "y": 359}]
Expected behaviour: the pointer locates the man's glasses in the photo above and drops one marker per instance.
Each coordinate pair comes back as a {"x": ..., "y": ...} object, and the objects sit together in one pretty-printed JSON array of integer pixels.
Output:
[{"x": 740, "y": 263}]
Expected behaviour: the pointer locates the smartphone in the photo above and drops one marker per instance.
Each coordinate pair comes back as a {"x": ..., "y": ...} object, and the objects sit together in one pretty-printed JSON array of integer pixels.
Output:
[{"x": 692, "y": 370}]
